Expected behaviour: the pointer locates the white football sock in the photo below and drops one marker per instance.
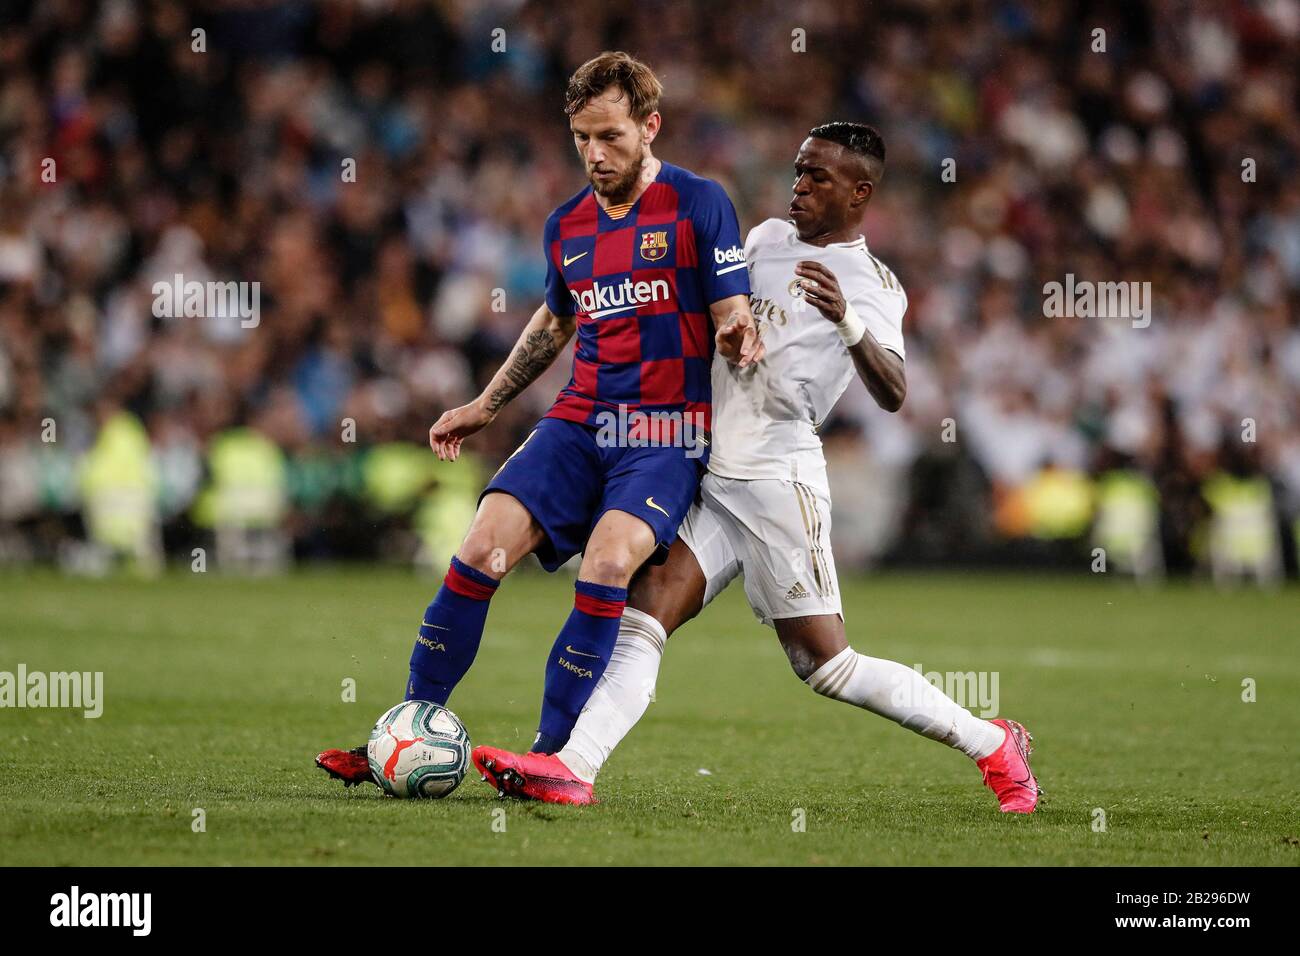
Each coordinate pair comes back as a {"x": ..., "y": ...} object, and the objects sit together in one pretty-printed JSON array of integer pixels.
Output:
[
  {"x": 621, "y": 696},
  {"x": 905, "y": 697}
]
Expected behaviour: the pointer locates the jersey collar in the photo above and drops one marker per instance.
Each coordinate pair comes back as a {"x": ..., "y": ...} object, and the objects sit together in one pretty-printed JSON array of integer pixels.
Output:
[{"x": 859, "y": 243}]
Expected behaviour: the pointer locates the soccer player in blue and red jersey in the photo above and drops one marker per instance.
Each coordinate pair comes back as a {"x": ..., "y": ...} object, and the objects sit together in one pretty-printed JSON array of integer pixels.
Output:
[{"x": 644, "y": 264}]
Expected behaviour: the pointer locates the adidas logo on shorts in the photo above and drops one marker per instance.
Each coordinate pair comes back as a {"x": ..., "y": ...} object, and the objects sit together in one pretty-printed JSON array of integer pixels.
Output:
[{"x": 796, "y": 592}]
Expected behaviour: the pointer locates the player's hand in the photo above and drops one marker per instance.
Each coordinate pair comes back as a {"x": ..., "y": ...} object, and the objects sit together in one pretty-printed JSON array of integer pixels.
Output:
[
  {"x": 821, "y": 289},
  {"x": 738, "y": 340},
  {"x": 455, "y": 426}
]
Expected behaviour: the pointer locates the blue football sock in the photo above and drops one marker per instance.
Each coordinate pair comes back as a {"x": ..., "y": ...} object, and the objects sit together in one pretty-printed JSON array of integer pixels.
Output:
[
  {"x": 577, "y": 660},
  {"x": 450, "y": 634}
]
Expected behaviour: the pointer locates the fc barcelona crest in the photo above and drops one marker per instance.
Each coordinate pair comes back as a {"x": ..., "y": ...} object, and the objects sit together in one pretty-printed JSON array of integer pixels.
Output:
[{"x": 654, "y": 246}]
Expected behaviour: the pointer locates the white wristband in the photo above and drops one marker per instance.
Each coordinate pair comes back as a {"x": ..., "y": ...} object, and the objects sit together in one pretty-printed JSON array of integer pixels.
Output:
[{"x": 851, "y": 327}]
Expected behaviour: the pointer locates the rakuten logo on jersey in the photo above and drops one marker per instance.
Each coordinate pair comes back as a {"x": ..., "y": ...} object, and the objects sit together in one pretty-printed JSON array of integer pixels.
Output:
[{"x": 602, "y": 300}]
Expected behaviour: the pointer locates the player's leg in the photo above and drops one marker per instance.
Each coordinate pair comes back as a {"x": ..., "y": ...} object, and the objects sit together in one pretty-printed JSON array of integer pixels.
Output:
[
  {"x": 620, "y": 543},
  {"x": 451, "y": 629},
  {"x": 502, "y": 532},
  {"x": 647, "y": 492},
  {"x": 791, "y": 583},
  {"x": 821, "y": 657},
  {"x": 660, "y": 600},
  {"x": 791, "y": 579},
  {"x": 794, "y": 584},
  {"x": 540, "y": 500}
]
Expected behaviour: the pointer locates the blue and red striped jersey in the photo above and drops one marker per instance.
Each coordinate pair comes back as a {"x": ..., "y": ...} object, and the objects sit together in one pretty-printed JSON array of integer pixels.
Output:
[{"x": 640, "y": 278}]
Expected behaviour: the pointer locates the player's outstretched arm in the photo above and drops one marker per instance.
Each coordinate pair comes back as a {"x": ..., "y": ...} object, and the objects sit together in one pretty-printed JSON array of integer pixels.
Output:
[
  {"x": 545, "y": 335},
  {"x": 880, "y": 369},
  {"x": 737, "y": 338}
]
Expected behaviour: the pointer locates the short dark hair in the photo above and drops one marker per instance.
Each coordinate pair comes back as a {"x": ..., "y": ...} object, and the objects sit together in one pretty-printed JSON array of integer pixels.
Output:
[
  {"x": 858, "y": 138},
  {"x": 614, "y": 68}
]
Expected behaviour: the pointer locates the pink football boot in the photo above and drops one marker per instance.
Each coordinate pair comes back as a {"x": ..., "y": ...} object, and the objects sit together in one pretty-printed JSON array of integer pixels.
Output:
[
  {"x": 531, "y": 776},
  {"x": 1006, "y": 770}
]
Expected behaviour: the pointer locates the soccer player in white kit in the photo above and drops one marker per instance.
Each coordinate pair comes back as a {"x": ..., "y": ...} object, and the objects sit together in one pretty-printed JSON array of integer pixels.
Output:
[{"x": 828, "y": 310}]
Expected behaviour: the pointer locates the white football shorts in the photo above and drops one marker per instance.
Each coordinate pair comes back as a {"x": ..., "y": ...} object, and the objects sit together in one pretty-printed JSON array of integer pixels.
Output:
[{"x": 776, "y": 533}]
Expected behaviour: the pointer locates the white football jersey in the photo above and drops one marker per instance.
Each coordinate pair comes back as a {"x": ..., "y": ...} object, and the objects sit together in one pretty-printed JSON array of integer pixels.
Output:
[{"x": 765, "y": 417}]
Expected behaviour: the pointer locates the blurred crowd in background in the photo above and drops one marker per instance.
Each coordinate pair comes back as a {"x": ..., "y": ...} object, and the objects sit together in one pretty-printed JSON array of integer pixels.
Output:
[{"x": 1023, "y": 145}]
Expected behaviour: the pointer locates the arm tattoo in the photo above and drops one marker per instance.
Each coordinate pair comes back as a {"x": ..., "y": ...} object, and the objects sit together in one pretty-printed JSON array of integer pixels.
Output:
[{"x": 531, "y": 359}]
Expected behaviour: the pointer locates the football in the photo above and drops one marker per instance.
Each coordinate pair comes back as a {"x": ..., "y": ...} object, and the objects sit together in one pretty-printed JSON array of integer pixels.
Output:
[{"x": 418, "y": 749}]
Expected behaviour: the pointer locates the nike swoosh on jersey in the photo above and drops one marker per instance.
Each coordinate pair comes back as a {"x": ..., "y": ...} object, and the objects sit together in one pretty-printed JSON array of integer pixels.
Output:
[
  {"x": 614, "y": 311},
  {"x": 651, "y": 502},
  {"x": 568, "y": 260},
  {"x": 569, "y": 648}
]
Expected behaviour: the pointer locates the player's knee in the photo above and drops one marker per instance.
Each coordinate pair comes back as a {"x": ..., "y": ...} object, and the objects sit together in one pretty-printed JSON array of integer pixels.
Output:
[
  {"x": 802, "y": 661},
  {"x": 806, "y": 661},
  {"x": 613, "y": 567},
  {"x": 482, "y": 553},
  {"x": 666, "y": 594}
]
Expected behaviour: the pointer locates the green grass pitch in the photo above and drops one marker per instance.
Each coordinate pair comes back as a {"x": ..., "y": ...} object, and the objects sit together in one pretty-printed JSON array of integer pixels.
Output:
[{"x": 219, "y": 692}]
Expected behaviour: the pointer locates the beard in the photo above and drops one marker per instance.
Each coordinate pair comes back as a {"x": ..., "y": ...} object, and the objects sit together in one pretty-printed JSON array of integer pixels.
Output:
[{"x": 623, "y": 185}]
